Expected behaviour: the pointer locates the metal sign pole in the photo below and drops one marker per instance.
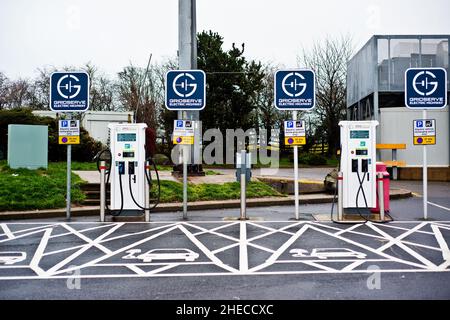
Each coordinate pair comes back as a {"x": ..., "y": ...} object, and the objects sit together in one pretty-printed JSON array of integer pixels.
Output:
[
  {"x": 296, "y": 191},
  {"x": 185, "y": 161},
  {"x": 425, "y": 175},
  {"x": 69, "y": 172}
]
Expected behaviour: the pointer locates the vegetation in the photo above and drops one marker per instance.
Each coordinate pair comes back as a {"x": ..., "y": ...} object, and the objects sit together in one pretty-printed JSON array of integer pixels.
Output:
[
  {"x": 23, "y": 189},
  {"x": 172, "y": 191}
]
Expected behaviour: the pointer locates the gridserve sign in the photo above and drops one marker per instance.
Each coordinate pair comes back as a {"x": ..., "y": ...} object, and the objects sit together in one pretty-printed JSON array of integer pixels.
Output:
[
  {"x": 426, "y": 88},
  {"x": 295, "y": 89},
  {"x": 69, "y": 91},
  {"x": 185, "y": 90}
]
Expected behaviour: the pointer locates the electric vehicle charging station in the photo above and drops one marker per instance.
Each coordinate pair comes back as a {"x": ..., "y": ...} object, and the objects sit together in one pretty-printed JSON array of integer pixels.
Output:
[
  {"x": 128, "y": 177},
  {"x": 358, "y": 164}
]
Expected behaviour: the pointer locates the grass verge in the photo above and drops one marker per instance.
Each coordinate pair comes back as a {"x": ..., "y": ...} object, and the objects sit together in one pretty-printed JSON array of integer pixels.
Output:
[
  {"x": 23, "y": 189},
  {"x": 172, "y": 191}
]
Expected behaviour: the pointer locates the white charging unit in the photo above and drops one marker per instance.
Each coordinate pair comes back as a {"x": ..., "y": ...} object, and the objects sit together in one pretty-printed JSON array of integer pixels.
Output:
[
  {"x": 358, "y": 163},
  {"x": 127, "y": 144}
]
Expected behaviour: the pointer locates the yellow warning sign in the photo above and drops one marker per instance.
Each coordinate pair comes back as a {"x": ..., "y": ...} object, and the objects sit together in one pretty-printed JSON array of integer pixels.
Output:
[
  {"x": 294, "y": 141},
  {"x": 183, "y": 140},
  {"x": 424, "y": 140},
  {"x": 69, "y": 139}
]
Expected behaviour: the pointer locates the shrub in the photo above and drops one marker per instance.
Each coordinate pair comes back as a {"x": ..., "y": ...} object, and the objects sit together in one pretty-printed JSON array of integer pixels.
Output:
[{"x": 312, "y": 159}]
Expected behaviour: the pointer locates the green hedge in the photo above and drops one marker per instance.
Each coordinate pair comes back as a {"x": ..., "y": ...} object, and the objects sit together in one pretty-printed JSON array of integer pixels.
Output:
[{"x": 85, "y": 151}]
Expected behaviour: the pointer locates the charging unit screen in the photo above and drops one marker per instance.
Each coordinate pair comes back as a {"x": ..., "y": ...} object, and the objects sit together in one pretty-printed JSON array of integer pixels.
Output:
[
  {"x": 359, "y": 134},
  {"x": 121, "y": 137}
]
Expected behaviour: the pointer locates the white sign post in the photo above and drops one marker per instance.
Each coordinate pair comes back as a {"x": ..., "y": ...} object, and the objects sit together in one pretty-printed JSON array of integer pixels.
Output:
[
  {"x": 295, "y": 90},
  {"x": 425, "y": 88},
  {"x": 69, "y": 92}
]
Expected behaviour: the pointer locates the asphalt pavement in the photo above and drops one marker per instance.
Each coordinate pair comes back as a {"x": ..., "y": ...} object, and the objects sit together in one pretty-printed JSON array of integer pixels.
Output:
[{"x": 268, "y": 257}]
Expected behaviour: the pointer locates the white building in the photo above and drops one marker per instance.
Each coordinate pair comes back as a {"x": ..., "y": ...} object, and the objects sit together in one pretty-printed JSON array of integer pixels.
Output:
[
  {"x": 96, "y": 122},
  {"x": 375, "y": 90}
]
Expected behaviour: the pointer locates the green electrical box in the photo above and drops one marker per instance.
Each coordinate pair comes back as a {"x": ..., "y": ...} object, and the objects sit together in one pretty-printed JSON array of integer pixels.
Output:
[{"x": 27, "y": 146}]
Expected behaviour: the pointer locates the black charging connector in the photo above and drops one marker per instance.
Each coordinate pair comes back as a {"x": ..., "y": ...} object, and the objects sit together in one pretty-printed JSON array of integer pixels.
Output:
[
  {"x": 354, "y": 165},
  {"x": 121, "y": 165},
  {"x": 364, "y": 165},
  {"x": 131, "y": 167}
]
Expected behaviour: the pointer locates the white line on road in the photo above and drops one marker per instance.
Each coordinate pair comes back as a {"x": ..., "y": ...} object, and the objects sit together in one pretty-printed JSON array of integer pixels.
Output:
[
  {"x": 439, "y": 206},
  {"x": 6, "y": 231},
  {"x": 243, "y": 256}
]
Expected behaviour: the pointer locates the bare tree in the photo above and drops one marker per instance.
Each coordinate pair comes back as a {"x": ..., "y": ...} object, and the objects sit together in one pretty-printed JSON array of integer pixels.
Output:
[
  {"x": 329, "y": 61},
  {"x": 3, "y": 90},
  {"x": 139, "y": 90}
]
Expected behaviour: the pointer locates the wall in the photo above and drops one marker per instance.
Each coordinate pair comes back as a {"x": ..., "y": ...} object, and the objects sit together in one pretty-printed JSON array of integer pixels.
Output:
[{"x": 397, "y": 127}]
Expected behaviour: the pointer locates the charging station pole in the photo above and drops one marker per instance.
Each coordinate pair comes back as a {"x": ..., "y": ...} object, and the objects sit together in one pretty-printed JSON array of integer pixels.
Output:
[{"x": 425, "y": 175}]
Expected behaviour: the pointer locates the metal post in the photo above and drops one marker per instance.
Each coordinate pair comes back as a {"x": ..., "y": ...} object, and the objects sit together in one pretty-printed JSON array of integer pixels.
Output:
[
  {"x": 147, "y": 192},
  {"x": 296, "y": 191},
  {"x": 185, "y": 161},
  {"x": 102, "y": 191},
  {"x": 394, "y": 167},
  {"x": 243, "y": 186},
  {"x": 187, "y": 60},
  {"x": 340, "y": 195},
  {"x": 425, "y": 176},
  {"x": 380, "y": 179},
  {"x": 69, "y": 176}
]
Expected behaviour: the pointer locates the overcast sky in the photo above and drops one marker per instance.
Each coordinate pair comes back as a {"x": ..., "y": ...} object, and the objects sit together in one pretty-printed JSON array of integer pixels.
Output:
[{"x": 111, "y": 33}]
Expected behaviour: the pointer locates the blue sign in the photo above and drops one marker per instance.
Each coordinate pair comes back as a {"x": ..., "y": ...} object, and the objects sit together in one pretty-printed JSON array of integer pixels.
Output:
[
  {"x": 426, "y": 88},
  {"x": 69, "y": 91},
  {"x": 290, "y": 124},
  {"x": 185, "y": 90},
  {"x": 295, "y": 89}
]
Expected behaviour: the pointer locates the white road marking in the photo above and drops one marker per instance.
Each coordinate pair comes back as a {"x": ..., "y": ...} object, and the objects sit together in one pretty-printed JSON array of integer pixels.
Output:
[
  {"x": 439, "y": 206},
  {"x": 243, "y": 255},
  {"x": 243, "y": 242},
  {"x": 34, "y": 264},
  {"x": 348, "y": 229},
  {"x": 441, "y": 241},
  {"x": 205, "y": 250},
  {"x": 113, "y": 253},
  {"x": 6, "y": 231},
  {"x": 91, "y": 243},
  {"x": 281, "y": 250},
  {"x": 397, "y": 241},
  {"x": 135, "y": 269}
]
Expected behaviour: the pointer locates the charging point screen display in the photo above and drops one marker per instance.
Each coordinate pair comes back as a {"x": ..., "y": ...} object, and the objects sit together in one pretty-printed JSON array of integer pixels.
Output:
[
  {"x": 359, "y": 134},
  {"x": 126, "y": 137}
]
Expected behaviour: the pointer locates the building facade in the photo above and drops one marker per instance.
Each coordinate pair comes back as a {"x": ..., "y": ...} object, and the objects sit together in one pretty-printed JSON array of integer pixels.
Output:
[{"x": 375, "y": 91}]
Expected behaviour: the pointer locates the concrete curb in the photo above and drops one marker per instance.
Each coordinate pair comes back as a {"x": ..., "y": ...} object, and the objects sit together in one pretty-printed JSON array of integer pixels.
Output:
[{"x": 199, "y": 205}]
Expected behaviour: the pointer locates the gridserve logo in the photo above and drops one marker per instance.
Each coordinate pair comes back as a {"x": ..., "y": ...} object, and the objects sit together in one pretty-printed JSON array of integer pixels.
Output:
[
  {"x": 294, "y": 89},
  {"x": 426, "y": 88},
  {"x": 185, "y": 90},
  {"x": 69, "y": 91}
]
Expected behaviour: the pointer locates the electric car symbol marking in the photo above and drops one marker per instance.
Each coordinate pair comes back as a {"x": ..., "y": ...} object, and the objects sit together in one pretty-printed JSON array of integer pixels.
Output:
[
  {"x": 163, "y": 254},
  {"x": 12, "y": 257},
  {"x": 68, "y": 86},
  {"x": 425, "y": 83},
  {"x": 188, "y": 88},
  {"x": 324, "y": 253},
  {"x": 293, "y": 84}
]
